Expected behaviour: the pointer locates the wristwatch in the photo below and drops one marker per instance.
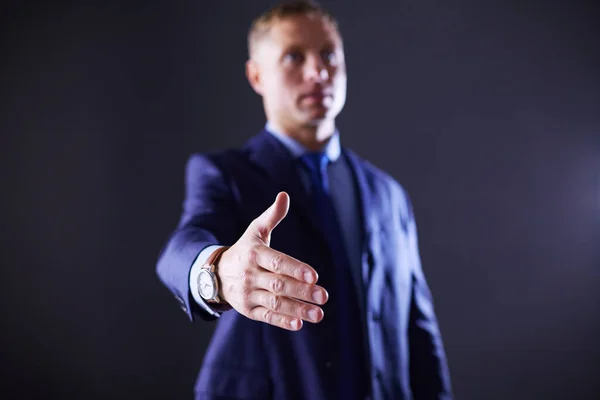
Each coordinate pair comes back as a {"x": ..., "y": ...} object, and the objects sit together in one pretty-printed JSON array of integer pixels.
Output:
[{"x": 208, "y": 284}]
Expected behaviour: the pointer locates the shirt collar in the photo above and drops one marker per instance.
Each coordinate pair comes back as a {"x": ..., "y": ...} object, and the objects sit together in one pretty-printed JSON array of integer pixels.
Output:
[{"x": 332, "y": 148}]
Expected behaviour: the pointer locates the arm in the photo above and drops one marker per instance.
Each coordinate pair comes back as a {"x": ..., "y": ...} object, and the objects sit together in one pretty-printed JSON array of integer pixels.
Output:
[
  {"x": 429, "y": 373},
  {"x": 208, "y": 218},
  {"x": 258, "y": 282}
]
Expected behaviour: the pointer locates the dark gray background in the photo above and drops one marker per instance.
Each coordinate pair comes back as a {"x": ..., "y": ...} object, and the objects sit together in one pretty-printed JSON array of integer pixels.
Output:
[{"x": 488, "y": 112}]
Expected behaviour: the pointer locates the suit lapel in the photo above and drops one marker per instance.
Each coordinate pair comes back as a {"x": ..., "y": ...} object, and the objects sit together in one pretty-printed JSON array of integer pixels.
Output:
[
  {"x": 367, "y": 202},
  {"x": 367, "y": 219}
]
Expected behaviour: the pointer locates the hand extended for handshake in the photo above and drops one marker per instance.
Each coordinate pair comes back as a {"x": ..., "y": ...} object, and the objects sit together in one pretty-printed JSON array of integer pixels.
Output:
[{"x": 266, "y": 285}]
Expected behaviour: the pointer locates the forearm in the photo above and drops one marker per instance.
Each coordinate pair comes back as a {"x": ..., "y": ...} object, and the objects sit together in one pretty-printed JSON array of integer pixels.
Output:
[
  {"x": 174, "y": 268},
  {"x": 208, "y": 218}
]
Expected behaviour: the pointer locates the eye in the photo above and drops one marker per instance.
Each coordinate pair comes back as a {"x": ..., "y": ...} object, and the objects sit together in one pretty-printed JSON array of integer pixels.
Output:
[
  {"x": 293, "y": 57},
  {"x": 328, "y": 57}
]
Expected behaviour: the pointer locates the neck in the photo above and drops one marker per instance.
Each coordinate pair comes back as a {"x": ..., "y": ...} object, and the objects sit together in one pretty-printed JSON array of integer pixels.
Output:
[{"x": 313, "y": 137}]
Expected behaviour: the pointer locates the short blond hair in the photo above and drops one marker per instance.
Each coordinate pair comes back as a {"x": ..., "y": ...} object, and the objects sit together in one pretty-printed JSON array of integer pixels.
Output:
[{"x": 265, "y": 21}]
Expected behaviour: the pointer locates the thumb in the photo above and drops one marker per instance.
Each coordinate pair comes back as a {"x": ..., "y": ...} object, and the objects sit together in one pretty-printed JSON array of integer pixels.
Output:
[{"x": 264, "y": 224}]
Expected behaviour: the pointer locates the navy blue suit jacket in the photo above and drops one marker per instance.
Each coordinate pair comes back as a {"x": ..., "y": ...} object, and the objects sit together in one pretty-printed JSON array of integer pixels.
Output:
[{"x": 248, "y": 359}]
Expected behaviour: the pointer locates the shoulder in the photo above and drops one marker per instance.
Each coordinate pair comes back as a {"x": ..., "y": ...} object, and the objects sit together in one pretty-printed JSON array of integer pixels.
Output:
[
  {"x": 224, "y": 159},
  {"x": 384, "y": 186},
  {"x": 216, "y": 162}
]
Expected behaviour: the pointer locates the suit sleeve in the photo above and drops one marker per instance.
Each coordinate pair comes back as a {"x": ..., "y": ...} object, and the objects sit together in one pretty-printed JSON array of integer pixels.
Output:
[
  {"x": 208, "y": 218},
  {"x": 429, "y": 372}
]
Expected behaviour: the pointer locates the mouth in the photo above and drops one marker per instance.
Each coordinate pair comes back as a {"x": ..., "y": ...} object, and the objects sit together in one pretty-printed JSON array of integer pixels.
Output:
[{"x": 316, "y": 96}]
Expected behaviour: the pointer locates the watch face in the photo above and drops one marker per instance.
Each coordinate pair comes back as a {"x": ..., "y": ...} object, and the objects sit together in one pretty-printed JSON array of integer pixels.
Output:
[{"x": 206, "y": 285}]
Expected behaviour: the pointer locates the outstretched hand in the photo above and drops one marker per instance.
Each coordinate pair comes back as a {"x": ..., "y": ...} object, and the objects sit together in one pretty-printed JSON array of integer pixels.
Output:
[{"x": 266, "y": 285}]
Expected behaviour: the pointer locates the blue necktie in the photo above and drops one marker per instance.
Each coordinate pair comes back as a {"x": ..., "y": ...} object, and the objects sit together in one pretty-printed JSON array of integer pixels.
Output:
[{"x": 351, "y": 370}]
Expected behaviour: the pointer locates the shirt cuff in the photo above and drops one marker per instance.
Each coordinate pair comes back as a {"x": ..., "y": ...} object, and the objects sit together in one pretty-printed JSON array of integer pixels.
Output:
[{"x": 195, "y": 270}]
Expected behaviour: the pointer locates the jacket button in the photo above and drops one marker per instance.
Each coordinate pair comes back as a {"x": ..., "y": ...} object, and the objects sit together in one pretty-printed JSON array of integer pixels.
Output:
[{"x": 376, "y": 317}]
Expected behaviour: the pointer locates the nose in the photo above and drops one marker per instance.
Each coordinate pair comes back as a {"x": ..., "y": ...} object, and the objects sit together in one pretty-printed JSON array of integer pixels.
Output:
[{"x": 315, "y": 70}]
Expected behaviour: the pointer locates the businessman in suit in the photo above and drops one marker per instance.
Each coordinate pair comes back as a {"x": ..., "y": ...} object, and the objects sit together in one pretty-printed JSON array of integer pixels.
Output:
[{"x": 305, "y": 254}]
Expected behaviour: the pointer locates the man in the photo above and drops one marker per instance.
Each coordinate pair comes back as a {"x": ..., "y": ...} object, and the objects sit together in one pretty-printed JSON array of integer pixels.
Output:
[{"x": 304, "y": 253}]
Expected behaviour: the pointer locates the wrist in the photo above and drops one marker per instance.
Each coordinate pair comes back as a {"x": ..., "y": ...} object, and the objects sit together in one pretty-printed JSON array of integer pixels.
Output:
[{"x": 209, "y": 283}]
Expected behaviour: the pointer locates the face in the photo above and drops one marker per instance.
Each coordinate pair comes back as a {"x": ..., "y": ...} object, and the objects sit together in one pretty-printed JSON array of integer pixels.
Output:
[{"x": 299, "y": 70}]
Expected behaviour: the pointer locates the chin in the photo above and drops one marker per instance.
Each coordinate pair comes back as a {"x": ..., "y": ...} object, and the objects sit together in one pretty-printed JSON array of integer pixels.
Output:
[
  {"x": 316, "y": 120},
  {"x": 320, "y": 114},
  {"x": 317, "y": 114}
]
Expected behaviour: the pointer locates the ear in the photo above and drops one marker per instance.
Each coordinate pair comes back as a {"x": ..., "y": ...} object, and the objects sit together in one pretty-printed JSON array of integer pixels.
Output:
[{"x": 253, "y": 75}]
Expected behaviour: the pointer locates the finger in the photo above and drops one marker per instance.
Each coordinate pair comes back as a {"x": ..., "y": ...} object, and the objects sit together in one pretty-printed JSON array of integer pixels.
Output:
[
  {"x": 280, "y": 263},
  {"x": 287, "y": 306},
  {"x": 264, "y": 314},
  {"x": 282, "y": 285},
  {"x": 264, "y": 224}
]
